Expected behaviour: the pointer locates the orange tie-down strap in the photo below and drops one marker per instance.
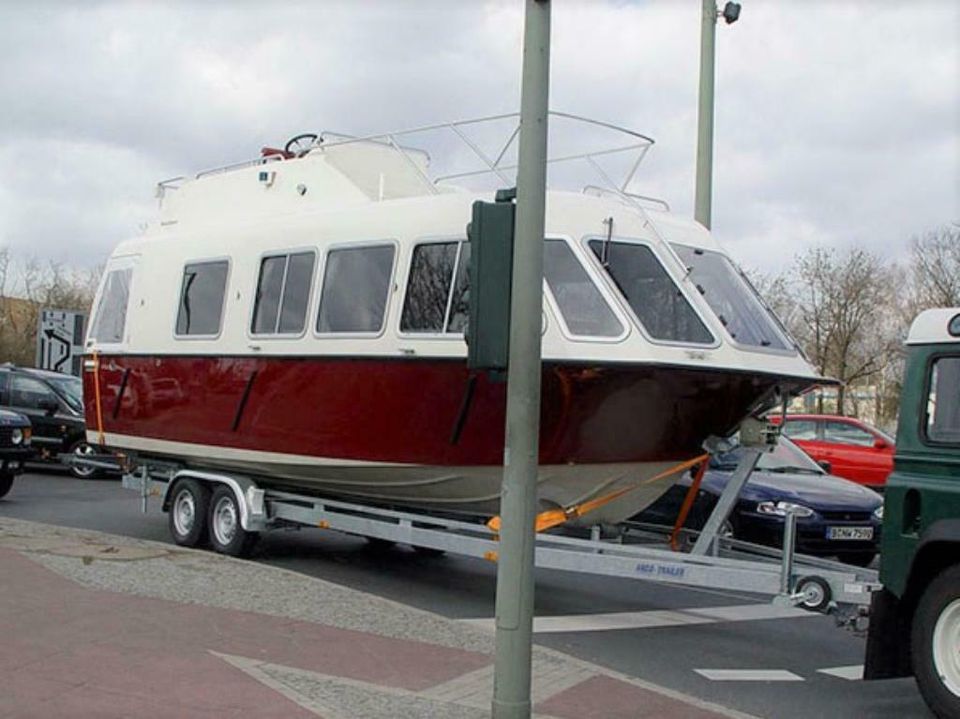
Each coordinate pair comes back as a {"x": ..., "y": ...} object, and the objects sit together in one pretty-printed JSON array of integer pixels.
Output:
[
  {"x": 685, "y": 507},
  {"x": 555, "y": 517},
  {"x": 96, "y": 397}
]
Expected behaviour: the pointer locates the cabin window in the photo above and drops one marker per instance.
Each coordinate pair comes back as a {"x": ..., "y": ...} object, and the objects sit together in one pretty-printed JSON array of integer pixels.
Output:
[
  {"x": 111, "y": 317},
  {"x": 582, "y": 307},
  {"x": 435, "y": 303},
  {"x": 943, "y": 401},
  {"x": 283, "y": 292},
  {"x": 660, "y": 306},
  {"x": 732, "y": 299},
  {"x": 201, "y": 298},
  {"x": 356, "y": 285}
]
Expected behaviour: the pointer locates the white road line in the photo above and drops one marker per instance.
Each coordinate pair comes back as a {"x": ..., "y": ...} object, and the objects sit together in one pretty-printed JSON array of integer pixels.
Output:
[
  {"x": 749, "y": 675},
  {"x": 851, "y": 673},
  {"x": 653, "y": 619}
]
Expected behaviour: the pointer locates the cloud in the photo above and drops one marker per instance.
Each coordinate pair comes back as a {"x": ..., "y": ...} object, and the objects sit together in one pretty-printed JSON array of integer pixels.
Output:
[{"x": 836, "y": 122}]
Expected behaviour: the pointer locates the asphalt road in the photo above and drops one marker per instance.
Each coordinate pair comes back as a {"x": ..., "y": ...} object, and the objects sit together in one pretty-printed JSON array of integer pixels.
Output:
[{"x": 777, "y": 664}]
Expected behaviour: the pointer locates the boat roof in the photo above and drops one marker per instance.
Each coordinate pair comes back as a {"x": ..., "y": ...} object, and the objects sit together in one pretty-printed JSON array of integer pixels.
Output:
[{"x": 936, "y": 326}]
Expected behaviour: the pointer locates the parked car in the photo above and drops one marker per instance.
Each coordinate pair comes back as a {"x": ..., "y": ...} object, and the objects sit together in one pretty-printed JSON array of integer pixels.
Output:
[
  {"x": 15, "y": 447},
  {"x": 53, "y": 402},
  {"x": 853, "y": 449},
  {"x": 835, "y": 517}
]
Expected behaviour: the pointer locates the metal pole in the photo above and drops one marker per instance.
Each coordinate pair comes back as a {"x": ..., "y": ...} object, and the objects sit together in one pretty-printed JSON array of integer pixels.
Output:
[
  {"x": 704, "y": 189},
  {"x": 512, "y": 663}
]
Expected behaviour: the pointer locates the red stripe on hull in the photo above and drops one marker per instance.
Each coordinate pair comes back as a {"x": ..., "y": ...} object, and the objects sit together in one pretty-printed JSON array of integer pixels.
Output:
[{"x": 404, "y": 411}]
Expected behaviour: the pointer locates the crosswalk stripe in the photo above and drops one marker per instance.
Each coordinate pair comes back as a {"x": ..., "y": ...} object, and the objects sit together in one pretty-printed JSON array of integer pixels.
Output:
[
  {"x": 749, "y": 675},
  {"x": 851, "y": 673},
  {"x": 654, "y": 619}
]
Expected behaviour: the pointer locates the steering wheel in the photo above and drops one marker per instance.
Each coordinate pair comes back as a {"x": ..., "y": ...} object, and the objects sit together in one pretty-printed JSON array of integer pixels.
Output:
[{"x": 301, "y": 144}]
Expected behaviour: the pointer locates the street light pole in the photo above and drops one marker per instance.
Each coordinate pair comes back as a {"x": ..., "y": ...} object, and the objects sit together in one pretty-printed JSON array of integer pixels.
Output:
[
  {"x": 515, "y": 585},
  {"x": 708, "y": 36},
  {"x": 704, "y": 188}
]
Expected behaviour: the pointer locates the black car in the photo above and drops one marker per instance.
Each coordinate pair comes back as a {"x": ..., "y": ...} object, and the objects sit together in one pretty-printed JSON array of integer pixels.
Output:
[
  {"x": 54, "y": 404},
  {"x": 835, "y": 517},
  {"x": 15, "y": 447}
]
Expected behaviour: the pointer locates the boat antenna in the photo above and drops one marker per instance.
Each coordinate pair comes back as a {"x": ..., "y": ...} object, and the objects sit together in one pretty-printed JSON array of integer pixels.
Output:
[{"x": 605, "y": 254}]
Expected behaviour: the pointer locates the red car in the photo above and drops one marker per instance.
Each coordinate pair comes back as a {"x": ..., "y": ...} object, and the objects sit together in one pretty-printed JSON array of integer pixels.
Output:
[{"x": 854, "y": 449}]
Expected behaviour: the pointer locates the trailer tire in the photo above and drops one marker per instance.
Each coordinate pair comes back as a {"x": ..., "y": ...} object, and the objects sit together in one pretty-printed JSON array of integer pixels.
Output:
[
  {"x": 187, "y": 516},
  {"x": 227, "y": 535},
  {"x": 935, "y": 640},
  {"x": 817, "y": 594},
  {"x": 6, "y": 482}
]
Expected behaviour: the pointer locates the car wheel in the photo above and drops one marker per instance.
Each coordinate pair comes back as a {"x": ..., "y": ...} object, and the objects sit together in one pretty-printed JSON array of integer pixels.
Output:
[
  {"x": 227, "y": 535},
  {"x": 187, "y": 516},
  {"x": 6, "y": 482},
  {"x": 935, "y": 639},
  {"x": 82, "y": 449},
  {"x": 859, "y": 559}
]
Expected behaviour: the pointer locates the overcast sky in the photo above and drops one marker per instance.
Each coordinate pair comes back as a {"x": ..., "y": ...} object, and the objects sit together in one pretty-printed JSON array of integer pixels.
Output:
[{"x": 838, "y": 123}]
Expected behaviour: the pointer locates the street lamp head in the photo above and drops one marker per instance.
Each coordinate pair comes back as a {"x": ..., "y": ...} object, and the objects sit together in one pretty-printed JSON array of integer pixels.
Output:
[{"x": 731, "y": 12}]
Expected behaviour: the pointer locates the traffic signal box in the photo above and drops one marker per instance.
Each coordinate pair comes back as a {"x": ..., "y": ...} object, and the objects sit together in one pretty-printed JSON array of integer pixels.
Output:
[{"x": 491, "y": 270}]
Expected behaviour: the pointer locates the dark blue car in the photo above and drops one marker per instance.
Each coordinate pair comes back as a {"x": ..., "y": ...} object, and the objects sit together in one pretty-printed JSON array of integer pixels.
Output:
[{"x": 835, "y": 517}]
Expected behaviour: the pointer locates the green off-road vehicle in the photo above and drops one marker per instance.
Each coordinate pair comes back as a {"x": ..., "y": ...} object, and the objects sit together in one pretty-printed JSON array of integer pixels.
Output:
[{"x": 915, "y": 618}]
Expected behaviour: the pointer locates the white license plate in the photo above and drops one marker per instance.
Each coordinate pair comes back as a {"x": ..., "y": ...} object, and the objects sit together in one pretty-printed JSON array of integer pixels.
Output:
[{"x": 856, "y": 533}]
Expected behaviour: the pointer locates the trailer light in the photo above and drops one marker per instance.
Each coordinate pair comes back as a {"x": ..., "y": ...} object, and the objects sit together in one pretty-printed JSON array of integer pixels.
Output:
[{"x": 781, "y": 509}]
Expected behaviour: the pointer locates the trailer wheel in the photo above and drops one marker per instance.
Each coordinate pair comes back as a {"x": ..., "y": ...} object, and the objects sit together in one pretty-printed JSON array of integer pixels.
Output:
[
  {"x": 227, "y": 536},
  {"x": 816, "y": 593},
  {"x": 936, "y": 644},
  {"x": 6, "y": 482},
  {"x": 187, "y": 517}
]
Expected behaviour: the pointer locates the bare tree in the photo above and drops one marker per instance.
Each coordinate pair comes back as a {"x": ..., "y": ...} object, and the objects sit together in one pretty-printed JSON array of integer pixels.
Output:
[
  {"x": 26, "y": 289},
  {"x": 935, "y": 268}
]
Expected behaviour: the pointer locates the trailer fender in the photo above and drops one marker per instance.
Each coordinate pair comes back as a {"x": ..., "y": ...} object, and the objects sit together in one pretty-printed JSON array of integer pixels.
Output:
[{"x": 253, "y": 514}]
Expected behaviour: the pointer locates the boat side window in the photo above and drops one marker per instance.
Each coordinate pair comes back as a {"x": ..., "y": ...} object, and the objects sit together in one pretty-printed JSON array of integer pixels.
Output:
[
  {"x": 942, "y": 423},
  {"x": 654, "y": 297},
  {"x": 111, "y": 316},
  {"x": 583, "y": 308},
  {"x": 732, "y": 299},
  {"x": 435, "y": 303},
  {"x": 283, "y": 291},
  {"x": 201, "y": 298},
  {"x": 356, "y": 285}
]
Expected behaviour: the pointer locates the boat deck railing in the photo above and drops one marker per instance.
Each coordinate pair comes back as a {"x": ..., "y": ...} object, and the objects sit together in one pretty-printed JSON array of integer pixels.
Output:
[{"x": 465, "y": 151}]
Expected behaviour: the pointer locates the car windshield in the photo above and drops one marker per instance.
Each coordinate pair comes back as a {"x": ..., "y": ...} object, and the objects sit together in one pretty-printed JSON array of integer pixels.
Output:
[
  {"x": 70, "y": 388},
  {"x": 732, "y": 299},
  {"x": 785, "y": 457}
]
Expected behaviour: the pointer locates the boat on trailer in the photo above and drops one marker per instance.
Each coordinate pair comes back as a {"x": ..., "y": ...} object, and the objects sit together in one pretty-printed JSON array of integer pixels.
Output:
[{"x": 299, "y": 318}]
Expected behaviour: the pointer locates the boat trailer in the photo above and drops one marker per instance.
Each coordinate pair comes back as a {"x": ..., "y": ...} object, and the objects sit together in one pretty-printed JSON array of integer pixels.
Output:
[{"x": 636, "y": 552}]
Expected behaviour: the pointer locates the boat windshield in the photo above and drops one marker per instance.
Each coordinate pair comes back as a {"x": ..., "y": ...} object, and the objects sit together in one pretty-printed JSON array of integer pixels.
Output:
[
  {"x": 732, "y": 299},
  {"x": 785, "y": 457},
  {"x": 656, "y": 300}
]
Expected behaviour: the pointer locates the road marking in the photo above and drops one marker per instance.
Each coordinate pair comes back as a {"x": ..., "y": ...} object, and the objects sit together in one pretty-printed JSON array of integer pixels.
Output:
[
  {"x": 854, "y": 672},
  {"x": 653, "y": 619},
  {"x": 749, "y": 675}
]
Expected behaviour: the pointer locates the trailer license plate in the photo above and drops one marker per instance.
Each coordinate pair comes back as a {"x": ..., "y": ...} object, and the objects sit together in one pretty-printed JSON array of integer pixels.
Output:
[{"x": 856, "y": 533}]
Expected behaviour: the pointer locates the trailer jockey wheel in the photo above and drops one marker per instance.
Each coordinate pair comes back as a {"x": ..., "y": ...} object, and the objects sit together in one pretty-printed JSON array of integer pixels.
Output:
[
  {"x": 816, "y": 593},
  {"x": 227, "y": 536},
  {"x": 187, "y": 516}
]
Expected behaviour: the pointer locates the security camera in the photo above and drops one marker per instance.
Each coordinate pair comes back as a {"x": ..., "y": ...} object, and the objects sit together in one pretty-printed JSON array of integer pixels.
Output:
[{"x": 731, "y": 12}]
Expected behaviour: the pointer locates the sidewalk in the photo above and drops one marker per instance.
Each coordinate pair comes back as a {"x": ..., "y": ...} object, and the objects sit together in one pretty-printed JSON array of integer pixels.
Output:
[{"x": 96, "y": 625}]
